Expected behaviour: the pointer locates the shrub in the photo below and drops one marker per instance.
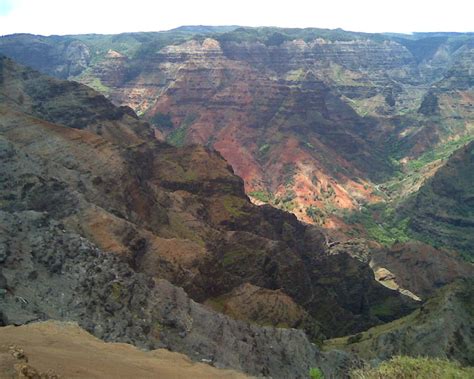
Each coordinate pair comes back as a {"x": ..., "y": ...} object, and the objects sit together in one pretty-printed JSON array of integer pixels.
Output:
[
  {"x": 354, "y": 339},
  {"x": 315, "y": 373},
  {"x": 261, "y": 195}
]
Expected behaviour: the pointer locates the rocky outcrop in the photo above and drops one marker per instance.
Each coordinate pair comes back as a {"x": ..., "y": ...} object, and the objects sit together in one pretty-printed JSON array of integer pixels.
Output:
[
  {"x": 420, "y": 268},
  {"x": 265, "y": 307},
  {"x": 55, "y": 274}
]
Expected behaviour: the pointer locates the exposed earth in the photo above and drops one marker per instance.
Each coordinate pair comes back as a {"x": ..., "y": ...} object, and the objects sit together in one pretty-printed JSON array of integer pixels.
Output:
[{"x": 63, "y": 350}]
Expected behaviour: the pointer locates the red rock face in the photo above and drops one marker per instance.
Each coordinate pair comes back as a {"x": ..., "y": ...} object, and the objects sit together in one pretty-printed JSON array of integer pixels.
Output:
[
  {"x": 308, "y": 123},
  {"x": 290, "y": 137},
  {"x": 178, "y": 214}
]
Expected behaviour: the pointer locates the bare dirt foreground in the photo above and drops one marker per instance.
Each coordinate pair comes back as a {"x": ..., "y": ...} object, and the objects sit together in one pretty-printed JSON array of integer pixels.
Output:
[{"x": 63, "y": 350}]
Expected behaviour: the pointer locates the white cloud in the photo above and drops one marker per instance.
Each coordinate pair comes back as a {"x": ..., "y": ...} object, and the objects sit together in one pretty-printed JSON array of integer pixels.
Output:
[{"x": 104, "y": 16}]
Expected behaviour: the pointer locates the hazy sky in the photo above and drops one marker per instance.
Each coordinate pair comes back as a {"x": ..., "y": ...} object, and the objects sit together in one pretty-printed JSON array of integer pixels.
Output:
[{"x": 106, "y": 16}]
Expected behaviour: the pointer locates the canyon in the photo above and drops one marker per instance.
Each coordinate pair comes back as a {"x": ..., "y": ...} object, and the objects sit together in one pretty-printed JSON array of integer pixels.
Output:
[
  {"x": 313, "y": 120},
  {"x": 260, "y": 199}
]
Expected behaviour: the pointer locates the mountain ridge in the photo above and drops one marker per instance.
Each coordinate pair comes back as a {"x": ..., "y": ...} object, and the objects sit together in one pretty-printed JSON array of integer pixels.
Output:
[
  {"x": 353, "y": 108},
  {"x": 131, "y": 224},
  {"x": 93, "y": 210}
]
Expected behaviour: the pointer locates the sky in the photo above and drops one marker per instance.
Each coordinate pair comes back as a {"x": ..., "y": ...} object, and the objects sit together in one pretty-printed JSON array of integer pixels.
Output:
[{"x": 61, "y": 17}]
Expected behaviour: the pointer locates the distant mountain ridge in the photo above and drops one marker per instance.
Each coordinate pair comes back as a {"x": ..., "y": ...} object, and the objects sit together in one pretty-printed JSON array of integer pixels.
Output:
[{"x": 351, "y": 107}]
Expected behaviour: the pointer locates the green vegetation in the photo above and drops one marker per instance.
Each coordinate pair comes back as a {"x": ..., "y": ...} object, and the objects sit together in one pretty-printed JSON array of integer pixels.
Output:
[
  {"x": 286, "y": 202},
  {"x": 156, "y": 329},
  {"x": 315, "y": 373},
  {"x": 289, "y": 196},
  {"x": 96, "y": 84},
  {"x": 381, "y": 223},
  {"x": 116, "y": 290},
  {"x": 402, "y": 367},
  {"x": 430, "y": 105},
  {"x": 162, "y": 120},
  {"x": 362, "y": 343},
  {"x": 316, "y": 214},
  {"x": 276, "y": 39},
  {"x": 177, "y": 136},
  {"x": 359, "y": 106},
  {"x": 234, "y": 205},
  {"x": 262, "y": 150},
  {"x": 441, "y": 212},
  {"x": 295, "y": 76},
  {"x": 125, "y": 44},
  {"x": 132, "y": 45},
  {"x": 384, "y": 310},
  {"x": 288, "y": 173},
  {"x": 177, "y": 171},
  {"x": 453, "y": 302},
  {"x": 408, "y": 178},
  {"x": 423, "y": 47},
  {"x": 232, "y": 257},
  {"x": 240, "y": 253},
  {"x": 178, "y": 228},
  {"x": 354, "y": 339},
  {"x": 443, "y": 151},
  {"x": 262, "y": 196},
  {"x": 271, "y": 36}
]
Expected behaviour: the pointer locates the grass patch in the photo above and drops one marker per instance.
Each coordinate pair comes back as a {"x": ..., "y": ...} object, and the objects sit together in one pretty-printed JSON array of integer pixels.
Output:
[
  {"x": 262, "y": 196},
  {"x": 173, "y": 170},
  {"x": 177, "y": 136},
  {"x": 315, "y": 373},
  {"x": 178, "y": 229},
  {"x": 87, "y": 78},
  {"x": 239, "y": 254},
  {"x": 385, "y": 310},
  {"x": 116, "y": 290},
  {"x": 316, "y": 214},
  {"x": 217, "y": 303},
  {"x": 232, "y": 257},
  {"x": 363, "y": 341},
  {"x": 402, "y": 367},
  {"x": 443, "y": 151},
  {"x": 234, "y": 206},
  {"x": 388, "y": 230}
]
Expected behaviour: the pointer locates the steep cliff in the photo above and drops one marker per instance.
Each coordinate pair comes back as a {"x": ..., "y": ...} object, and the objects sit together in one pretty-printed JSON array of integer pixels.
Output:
[
  {"x": 310, "y": 118},
  {"x": 442, "y": 211},
  {"x": 93, "y": 210}
]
